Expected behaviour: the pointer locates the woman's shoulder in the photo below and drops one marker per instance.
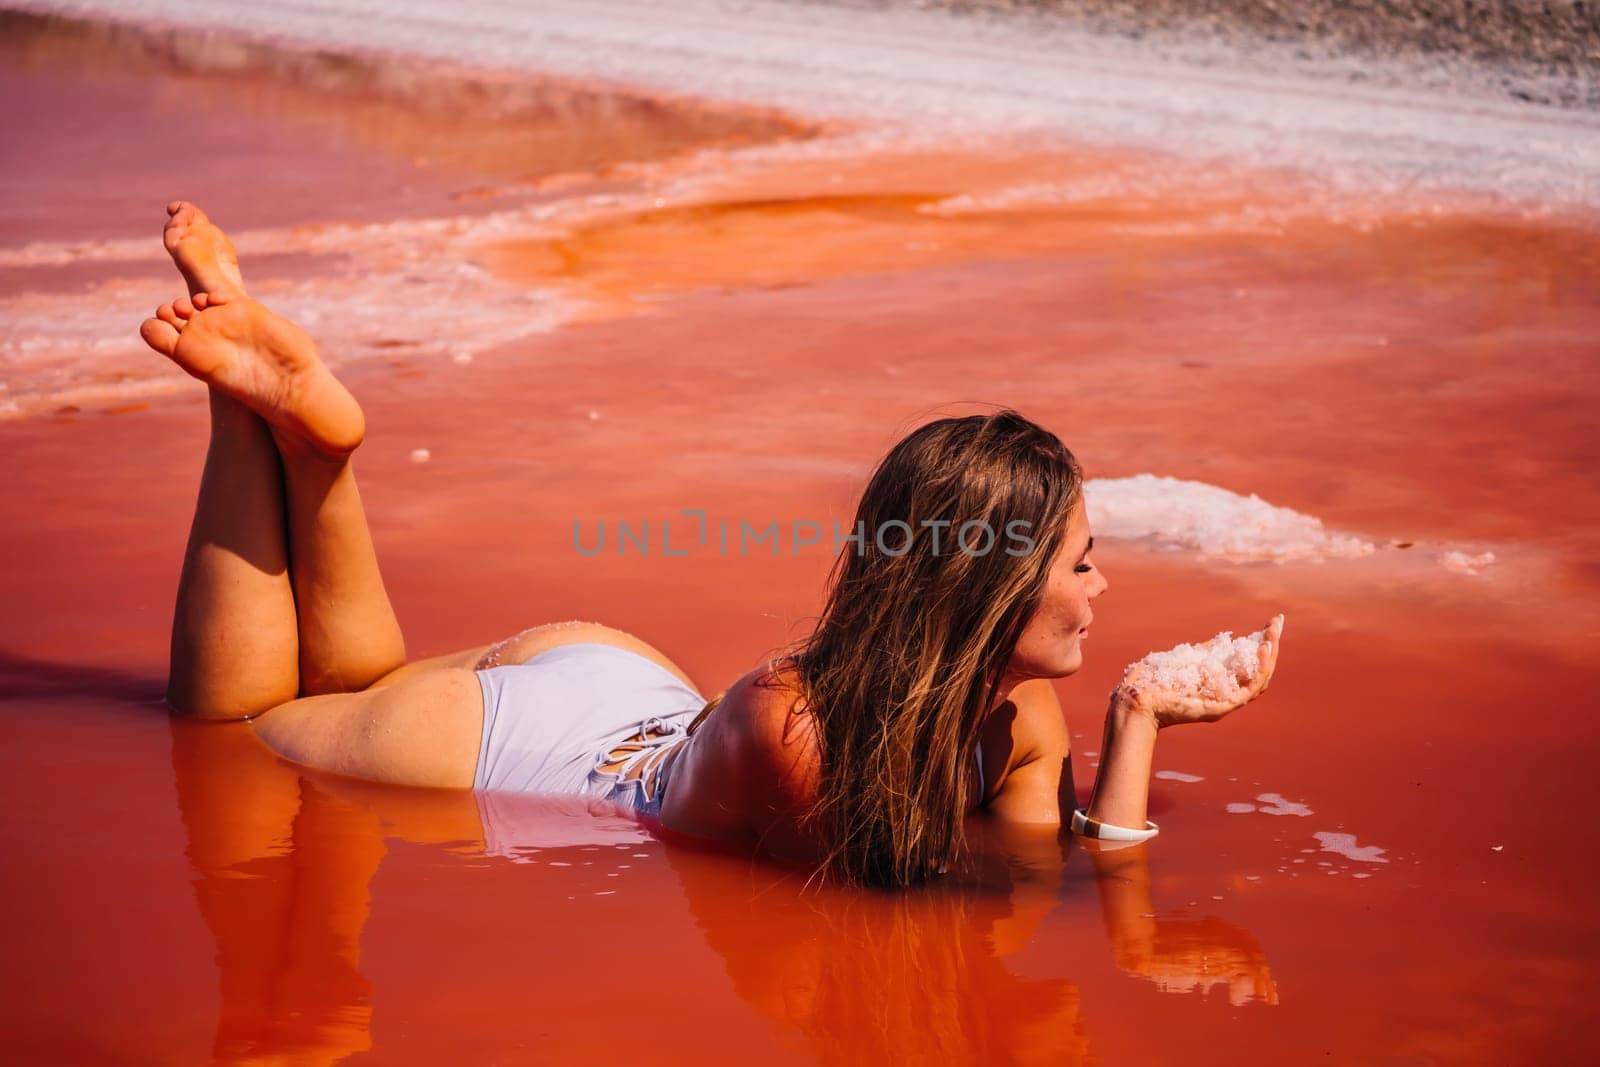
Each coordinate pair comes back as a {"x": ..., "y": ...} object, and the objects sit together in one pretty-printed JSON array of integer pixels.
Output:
[
  {"x": 772, "y": 738},
  {"x": 767, "y": 707}
]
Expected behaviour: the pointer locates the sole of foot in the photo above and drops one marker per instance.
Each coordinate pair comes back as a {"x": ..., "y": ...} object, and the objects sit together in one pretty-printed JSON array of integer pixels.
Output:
[
  {"x": 202, "y": 252},
  {"x": 266, "y": 362}
]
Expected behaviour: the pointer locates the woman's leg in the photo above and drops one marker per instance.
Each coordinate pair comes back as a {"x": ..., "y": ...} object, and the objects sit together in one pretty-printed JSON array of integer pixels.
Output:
[
  {"x": 348, "y": 635},
  {"x": 234, "y": 641}
]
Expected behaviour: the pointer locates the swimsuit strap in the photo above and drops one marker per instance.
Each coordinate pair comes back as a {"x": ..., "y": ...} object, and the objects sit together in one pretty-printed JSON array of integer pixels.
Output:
[
  {"x": 647, "y": 754},
  {"x": 983, "y": 784}
]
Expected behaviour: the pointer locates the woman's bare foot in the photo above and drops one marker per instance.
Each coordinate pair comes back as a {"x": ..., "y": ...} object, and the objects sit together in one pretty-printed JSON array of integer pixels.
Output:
[
  {"x": 203, "y": 253},
  {"x": 264, "y": 361}
]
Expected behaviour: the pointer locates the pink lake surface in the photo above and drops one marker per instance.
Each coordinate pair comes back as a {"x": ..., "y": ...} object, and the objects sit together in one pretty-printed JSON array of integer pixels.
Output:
[{"x": 750, "y": 346}]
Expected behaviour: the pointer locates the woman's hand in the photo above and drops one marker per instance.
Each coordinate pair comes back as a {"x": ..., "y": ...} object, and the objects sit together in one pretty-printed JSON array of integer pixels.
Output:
[{"x": 1139, "y": 694}]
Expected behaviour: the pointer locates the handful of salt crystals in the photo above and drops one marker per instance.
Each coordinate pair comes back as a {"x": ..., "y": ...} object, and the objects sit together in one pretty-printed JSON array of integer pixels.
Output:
[{"x": 1220, "y": 669}]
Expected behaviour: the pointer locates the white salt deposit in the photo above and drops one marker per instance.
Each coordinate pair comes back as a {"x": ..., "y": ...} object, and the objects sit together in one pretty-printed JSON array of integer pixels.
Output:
[
  {"x": 1278, "y": 804},
  {"x": 1401, "y": 128},
  {"x": 380, "y": 294},
  {"x": 1176, "y": 513},
  {"x": 1461, "y": 563},
  {"x": 1271, "y": 804},
  {"x": 1220, "y": 669},
  {"x": 1178, "y": 776},
  {"x": 1345, "y": 845}
]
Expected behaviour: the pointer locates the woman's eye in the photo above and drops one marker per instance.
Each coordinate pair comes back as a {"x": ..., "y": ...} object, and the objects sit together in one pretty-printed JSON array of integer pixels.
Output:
[{"x": 1084, "y": 568}]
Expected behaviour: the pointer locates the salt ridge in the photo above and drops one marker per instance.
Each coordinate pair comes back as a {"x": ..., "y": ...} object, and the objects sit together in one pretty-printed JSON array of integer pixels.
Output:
[
  {"x": 1176, "y": 513},
  {"x": 963, "y": 76}
]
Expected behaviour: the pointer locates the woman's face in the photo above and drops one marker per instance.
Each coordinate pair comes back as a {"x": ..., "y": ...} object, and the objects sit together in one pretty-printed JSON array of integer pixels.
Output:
[{"x": 1051, "y": 645}]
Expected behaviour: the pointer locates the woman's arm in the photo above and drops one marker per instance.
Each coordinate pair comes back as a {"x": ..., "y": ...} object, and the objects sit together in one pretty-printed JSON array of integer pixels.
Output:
[
  {"x": 1139, "y": 710},
  {"x": 1122, "y": 788},
  {"x": 1039, "y": 788}
]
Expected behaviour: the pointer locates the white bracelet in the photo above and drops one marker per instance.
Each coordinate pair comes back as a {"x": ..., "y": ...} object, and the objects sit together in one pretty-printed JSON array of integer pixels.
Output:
[{"x": 1087, "y": 827}]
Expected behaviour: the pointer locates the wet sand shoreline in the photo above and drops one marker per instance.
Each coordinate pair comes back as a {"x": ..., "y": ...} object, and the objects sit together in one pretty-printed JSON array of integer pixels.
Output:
[{"x": 747, "y": 335}]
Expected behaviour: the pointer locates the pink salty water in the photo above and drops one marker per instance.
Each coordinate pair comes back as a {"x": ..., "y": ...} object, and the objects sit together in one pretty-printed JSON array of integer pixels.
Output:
[{"x": 1385, "y": 860}]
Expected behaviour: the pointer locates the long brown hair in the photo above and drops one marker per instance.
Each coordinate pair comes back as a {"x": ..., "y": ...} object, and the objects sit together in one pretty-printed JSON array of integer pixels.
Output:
[{"x": 919, "y": 625}]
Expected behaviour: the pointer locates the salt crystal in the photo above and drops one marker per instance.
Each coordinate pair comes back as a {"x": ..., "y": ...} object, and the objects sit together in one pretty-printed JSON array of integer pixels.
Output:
[
  {"x": 1462, "y": 563},
  {"x": 461, "y": 359},
  {"x": 1278, "y": 804},
  {"x": 1220, "y": 669},
  {"x": 1345, "y": 845},
  {"x": 420, "y": 455}
]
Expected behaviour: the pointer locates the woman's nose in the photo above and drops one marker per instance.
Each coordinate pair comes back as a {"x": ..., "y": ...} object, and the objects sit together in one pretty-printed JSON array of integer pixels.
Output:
[{"x": 1104, "y": 584}]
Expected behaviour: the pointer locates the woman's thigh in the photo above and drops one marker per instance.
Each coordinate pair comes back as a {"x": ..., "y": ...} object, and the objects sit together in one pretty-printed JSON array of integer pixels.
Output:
[
  {"x": 422, "y": 730},
  {"x": 422, "y": 724}
]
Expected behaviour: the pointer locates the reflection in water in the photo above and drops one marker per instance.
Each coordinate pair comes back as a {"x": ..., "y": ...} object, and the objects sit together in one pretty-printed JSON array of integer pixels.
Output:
[
  {"x": 923, "y": 975},
  {"x": 917, "y": 976},
  {"x": 281, "y": 872},
  {"x": 1179, "y": 955},
  {"x": 283, "y": 865}
]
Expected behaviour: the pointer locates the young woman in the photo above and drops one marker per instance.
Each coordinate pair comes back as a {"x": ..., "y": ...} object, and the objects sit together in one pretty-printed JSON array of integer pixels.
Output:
[{"x": 922, "y": 696}]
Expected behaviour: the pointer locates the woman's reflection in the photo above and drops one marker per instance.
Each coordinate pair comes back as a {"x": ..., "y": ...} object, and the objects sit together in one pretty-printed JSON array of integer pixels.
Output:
[
  {"x": 283, "y": 863},
  {"x": 1179, "y": 955},
  {"x": 281, "y": 872},
  {"x": 923, "y": 976}
]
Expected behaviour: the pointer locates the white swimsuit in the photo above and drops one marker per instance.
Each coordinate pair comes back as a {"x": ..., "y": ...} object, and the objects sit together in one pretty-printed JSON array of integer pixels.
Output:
[{"x": 551, "y": 723}]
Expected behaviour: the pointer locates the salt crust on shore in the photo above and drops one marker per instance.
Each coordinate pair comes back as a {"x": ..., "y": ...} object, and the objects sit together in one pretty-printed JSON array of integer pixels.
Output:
[
  {"x": 1179, "y": 514},
  {"x": 1220, "y": 669},
  {"x": 964, "y": 77}
]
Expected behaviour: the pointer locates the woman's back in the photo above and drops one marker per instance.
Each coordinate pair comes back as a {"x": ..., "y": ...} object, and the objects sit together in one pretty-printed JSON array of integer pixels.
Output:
[{"x": 752, "y": 768}]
